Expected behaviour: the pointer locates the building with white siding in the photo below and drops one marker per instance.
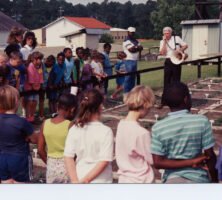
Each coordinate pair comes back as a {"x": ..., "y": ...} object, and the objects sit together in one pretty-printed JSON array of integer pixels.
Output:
[
  {"x": 202, "y": 36},
  {"x": 75, "y": 32},
  {"x": 6, "y": 24}
]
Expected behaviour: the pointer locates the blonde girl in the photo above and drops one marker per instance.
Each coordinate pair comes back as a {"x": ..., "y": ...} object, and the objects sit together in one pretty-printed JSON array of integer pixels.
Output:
[
  {"x": 91, "y": 142},
  {"x": 15, "y": 135},
  {"x": 133, "y": 155}
]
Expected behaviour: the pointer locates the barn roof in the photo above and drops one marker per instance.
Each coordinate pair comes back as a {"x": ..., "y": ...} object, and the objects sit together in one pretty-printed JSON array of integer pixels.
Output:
[
  {"x": 7, "y": 23},
  {"x": 88, "y": 22}
]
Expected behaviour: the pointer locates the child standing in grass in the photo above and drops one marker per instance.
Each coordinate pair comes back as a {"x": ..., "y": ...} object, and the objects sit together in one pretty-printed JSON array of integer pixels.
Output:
[
  {"x": 133, "y": 154},
  {"x": 120, "y": 69},
  {"x": 47, "y": 67},
  {"x": 91, "y": 142},
  {"x": 56, "y": 81},
  {"x": 15, "y": 135},
  {"x": 70, "y": 73},
  {"x": 33, "y": 82},
  {"x": 86, "y": 71},
  {"x": 79, "y": 63},
  {"x": 53, "y": 135},
  {"x": 97, "y": 70}
]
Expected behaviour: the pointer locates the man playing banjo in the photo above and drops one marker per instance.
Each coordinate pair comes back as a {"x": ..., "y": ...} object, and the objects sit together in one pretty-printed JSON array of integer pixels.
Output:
[{"x": 168, "y": 46}]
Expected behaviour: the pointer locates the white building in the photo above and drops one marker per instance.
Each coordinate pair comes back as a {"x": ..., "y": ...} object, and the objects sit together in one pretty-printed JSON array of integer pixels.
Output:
[
  {"x": 203, "y": 37},
  {"x": 75, "y": 31},
  {"x": 119, "y": 34},
  {"x": 6, "y": 24}
]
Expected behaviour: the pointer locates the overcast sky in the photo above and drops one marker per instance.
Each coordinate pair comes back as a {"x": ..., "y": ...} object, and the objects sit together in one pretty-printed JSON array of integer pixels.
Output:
[{"x": 99, "y": 1}]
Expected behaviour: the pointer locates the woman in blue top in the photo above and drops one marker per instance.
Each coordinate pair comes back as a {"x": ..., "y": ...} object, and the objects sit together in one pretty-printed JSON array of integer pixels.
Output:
[{"x": 120, "y": 69}]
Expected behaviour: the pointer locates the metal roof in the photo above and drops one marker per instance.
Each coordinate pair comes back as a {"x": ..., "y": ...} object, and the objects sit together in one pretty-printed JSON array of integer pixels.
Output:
[{"x": 202, "y": 21}]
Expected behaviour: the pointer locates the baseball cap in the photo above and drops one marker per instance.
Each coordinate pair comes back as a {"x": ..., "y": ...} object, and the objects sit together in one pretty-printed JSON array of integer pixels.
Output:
[{"x": 131, "y": 29}]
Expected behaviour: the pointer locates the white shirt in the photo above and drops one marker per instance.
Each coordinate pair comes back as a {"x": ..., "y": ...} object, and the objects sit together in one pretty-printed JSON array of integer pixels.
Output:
[
  {"x": 91, "y": 144},
  {"x": 26, "y": 51},
  {"x": 127, "y": 45},
  {"x": 170, "y": 46},
  {"x": 96, "y": 68}
]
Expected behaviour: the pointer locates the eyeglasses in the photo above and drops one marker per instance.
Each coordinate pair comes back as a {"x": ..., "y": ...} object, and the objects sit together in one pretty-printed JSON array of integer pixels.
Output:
[{"x": 29, "y": 38}]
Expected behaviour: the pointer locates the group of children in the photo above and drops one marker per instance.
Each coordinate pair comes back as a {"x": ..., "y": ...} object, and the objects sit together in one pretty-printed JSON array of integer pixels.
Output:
[
  {"x": 80, "y": 147},
  {"x": 25, "y": 69}
]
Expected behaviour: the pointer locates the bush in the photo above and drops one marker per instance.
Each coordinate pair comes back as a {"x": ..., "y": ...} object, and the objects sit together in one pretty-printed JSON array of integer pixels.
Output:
[{"x": 106, "y": 38}]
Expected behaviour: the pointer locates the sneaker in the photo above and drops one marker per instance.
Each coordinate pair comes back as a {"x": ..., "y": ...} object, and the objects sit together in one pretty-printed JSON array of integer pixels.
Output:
[
  {"x": 159, "y": 106},
  {"x": 113, "y": 97},
  {"x": 31, "y": 119},
  {"x": 41, "y": 118}
]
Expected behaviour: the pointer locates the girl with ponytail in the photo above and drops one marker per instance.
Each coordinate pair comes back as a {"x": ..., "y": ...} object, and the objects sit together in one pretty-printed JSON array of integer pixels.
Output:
[{"x": 90, "y": 142}]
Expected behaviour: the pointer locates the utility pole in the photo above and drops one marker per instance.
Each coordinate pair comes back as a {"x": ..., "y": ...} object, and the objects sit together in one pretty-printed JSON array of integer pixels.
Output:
[{"x": 60, "y": 11}]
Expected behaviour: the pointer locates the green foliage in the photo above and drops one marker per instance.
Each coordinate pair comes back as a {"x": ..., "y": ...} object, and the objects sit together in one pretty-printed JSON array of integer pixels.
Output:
[
  {"x": 171, "y": 13},
  {"x": 35, "y": 14},
  {"x": 106, "y": 38}
]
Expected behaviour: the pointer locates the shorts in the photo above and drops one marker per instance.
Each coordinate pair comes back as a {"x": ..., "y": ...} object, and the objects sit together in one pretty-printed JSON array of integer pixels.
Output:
[
  {"x": 56, "y": 171},
  {"x": 51, "y": 94},
  {"x": 16, "y": 167},
  {"x": 120, "y": 80},
  {"x": 33, "y": 97}
]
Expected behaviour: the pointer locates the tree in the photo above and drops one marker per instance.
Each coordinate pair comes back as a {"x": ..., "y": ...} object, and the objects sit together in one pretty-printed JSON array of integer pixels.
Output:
[
  {"x": 106, "y": 38},
  {"x": 171, "y": 13}
]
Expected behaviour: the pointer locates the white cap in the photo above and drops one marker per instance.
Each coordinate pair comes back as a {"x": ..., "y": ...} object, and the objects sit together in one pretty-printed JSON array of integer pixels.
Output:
[{"x": 131, "y": 29}]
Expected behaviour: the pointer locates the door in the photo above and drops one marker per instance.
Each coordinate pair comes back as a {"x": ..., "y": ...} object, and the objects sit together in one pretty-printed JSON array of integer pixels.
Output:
[{"x": 200, "y": 41}]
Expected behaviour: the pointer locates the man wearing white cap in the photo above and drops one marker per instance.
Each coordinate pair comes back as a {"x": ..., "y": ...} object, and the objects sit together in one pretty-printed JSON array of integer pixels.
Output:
[{"x": 132, "y": 48}]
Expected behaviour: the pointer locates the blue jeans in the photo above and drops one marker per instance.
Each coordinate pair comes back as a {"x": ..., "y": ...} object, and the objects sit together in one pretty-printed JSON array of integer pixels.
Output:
[{"x": 129, "y": 82}]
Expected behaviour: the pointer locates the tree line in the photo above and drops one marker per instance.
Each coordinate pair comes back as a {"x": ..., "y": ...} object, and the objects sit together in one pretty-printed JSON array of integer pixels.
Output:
[{"x": 149, "y": 18}]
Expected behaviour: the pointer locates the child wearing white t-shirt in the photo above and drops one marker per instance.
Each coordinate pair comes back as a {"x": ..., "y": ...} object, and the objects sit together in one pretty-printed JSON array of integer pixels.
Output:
[
  {"x": 97, "y": 70},
  {"x": 133, "y": 154},
  {"x": 91, "y": 142}
]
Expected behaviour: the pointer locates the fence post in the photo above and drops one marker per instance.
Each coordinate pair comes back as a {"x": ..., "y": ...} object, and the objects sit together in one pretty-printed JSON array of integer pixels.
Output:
[
  {"x": 219, "y": 66},
  {"x": 199, "y": 70},
  {"x": 138, "y": 79}
]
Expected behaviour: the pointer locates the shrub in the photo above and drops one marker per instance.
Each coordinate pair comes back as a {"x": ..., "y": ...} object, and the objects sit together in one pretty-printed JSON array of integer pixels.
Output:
[{"x": 106, "y": 38}]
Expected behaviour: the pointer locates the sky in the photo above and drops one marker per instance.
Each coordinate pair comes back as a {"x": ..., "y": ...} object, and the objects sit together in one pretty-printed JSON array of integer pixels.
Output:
[{"x": 99, "y": 1}]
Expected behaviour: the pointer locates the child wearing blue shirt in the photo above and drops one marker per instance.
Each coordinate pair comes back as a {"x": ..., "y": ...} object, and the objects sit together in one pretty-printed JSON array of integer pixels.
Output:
[
  {"x": 15, "y": 135},
  {"x": 16, "y": 77},
  {"x": 56, "y": 80},
  {"x": 120, "y": 69},
  {"x": 47, "y": 67},
  {"x": 70, "y": 74},
  {"x": 108, "y": 66}
]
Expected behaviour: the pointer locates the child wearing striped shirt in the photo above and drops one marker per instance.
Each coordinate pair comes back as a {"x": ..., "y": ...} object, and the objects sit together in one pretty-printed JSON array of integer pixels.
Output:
[{"x": 179, "y": 139}]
